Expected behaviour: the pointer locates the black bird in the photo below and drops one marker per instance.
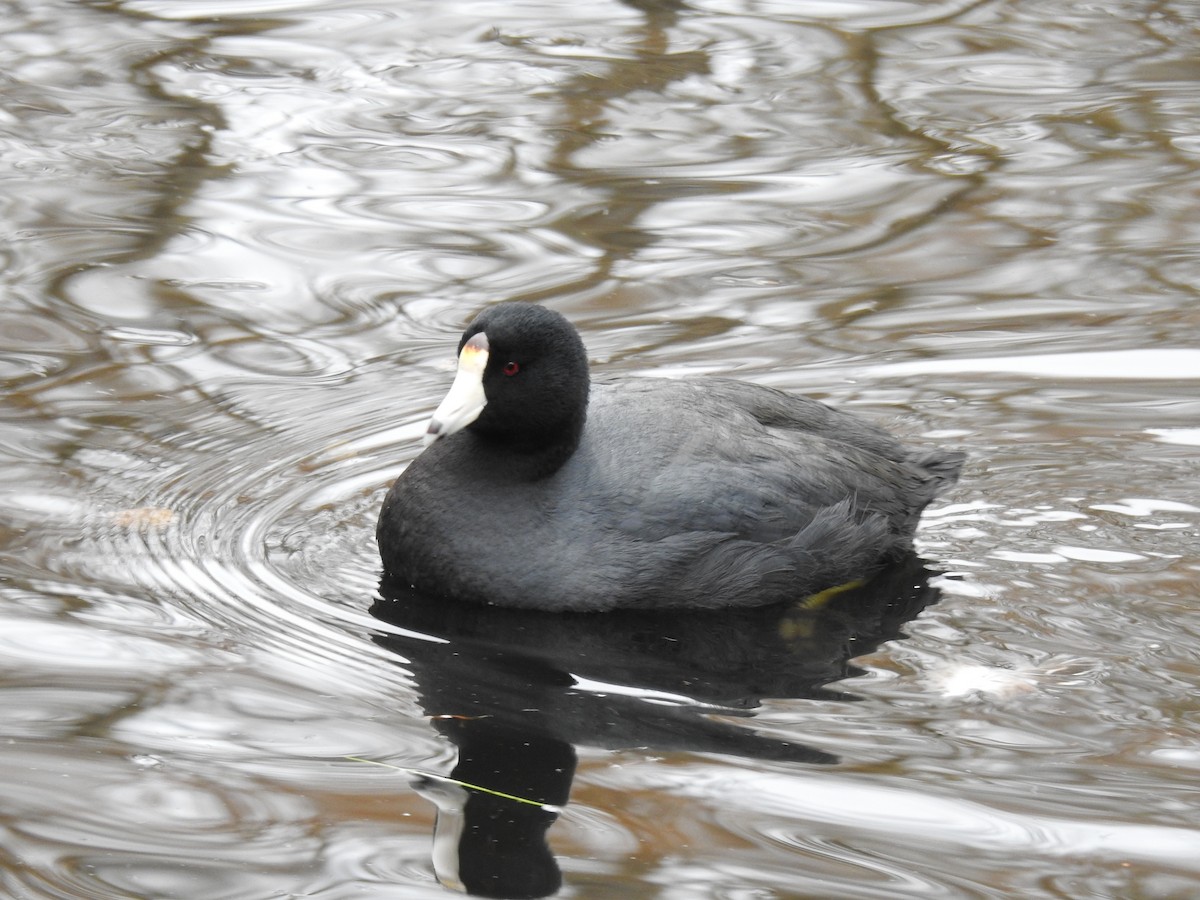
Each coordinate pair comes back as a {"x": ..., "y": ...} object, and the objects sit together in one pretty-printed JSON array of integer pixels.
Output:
[{"x": 543, "y": 490}]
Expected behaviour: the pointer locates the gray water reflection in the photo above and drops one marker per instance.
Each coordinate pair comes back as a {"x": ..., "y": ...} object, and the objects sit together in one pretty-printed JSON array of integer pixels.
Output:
[
  {"x": 516, "y": 691},
  {"x": 240, "y": 238}
]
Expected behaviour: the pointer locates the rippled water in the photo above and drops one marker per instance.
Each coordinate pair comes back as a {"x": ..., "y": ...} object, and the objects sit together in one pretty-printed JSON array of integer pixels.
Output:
[{"x": 240, "y": 240}]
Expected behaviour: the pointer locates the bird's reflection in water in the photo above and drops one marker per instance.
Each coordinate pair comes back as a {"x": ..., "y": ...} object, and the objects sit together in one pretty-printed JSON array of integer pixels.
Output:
[{"x": 515, "y": 691}]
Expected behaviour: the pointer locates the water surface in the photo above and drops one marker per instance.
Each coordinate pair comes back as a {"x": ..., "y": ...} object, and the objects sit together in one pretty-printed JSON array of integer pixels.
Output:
[{"x": 240, "y": 241}]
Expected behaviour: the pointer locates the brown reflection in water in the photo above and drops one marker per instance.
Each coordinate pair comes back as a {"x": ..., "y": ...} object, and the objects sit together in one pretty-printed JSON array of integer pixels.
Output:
[
  {"x": 610, "y": 224},
  {"x": 1037, "y": 167}
]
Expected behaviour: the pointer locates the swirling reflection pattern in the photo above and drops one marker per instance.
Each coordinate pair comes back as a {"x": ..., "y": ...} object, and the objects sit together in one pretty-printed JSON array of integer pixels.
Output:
[{"x": 239, "y": 235}]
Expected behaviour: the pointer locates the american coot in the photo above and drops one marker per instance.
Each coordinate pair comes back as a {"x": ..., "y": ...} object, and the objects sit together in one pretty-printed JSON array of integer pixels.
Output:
[{"x": 536, "y": 492}]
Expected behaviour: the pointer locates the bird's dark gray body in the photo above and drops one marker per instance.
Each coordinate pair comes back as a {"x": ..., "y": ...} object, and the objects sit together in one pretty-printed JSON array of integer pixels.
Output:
[{"x": 693, "y": 493}]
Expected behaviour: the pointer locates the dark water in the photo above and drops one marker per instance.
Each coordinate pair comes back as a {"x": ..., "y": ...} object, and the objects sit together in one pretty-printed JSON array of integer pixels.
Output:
[{"x": 239, "y": 241}]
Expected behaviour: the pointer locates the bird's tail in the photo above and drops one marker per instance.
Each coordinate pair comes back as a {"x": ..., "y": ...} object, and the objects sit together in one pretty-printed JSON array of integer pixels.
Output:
[{"x": 941, "y": 466}]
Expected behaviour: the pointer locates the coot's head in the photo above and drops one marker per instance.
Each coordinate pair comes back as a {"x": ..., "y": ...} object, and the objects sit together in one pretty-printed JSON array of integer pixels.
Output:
[{"x": 522, "y": 380}]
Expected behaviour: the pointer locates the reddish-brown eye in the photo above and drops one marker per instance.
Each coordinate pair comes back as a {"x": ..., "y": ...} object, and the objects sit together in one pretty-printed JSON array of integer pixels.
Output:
[{"x": 511, "y": 368}]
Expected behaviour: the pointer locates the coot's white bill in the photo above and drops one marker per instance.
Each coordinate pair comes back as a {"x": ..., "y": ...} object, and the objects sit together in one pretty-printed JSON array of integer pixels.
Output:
[{"x": 466, "y": 399}]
